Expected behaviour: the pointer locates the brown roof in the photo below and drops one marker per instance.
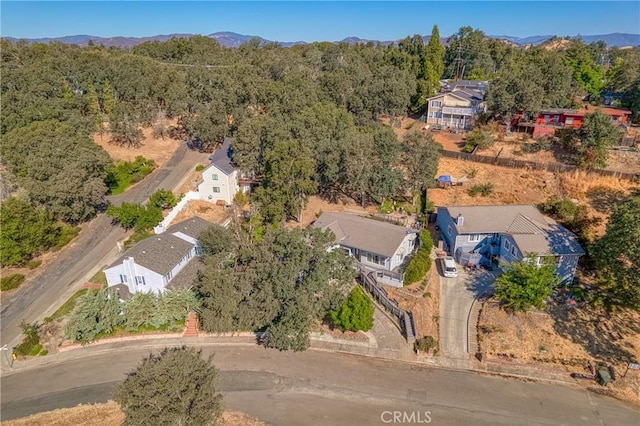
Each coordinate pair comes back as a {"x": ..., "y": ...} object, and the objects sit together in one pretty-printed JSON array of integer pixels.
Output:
[{"x": 363, "y": 233}]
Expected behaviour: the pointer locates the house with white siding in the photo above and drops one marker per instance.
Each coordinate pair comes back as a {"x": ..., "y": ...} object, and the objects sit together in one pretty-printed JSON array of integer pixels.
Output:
[
  {"x": 376, "y": 245},
  {"x": 221, "y": 179},
  {"x": 153, "y": 263}
]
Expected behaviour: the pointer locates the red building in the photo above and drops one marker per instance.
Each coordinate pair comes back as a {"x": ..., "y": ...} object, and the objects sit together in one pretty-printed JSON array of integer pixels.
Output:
[{"x": 551, "y": 119}]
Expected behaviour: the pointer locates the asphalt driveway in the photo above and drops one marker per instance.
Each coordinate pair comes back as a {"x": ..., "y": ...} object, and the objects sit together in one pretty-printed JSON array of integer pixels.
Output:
[{"x": 456, "y": 299}]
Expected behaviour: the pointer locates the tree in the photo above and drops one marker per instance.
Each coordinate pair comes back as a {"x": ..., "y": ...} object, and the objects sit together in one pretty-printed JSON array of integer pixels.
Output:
[
  {"x": 523, "y": 284},
  {"x": 175, "y": 386},
  {"x": 355, "y": 313},
  {"x": 420, "y": 155},
  {"x": 617, "y": 254},
  {"x": 216, "y": 239},
  {"x": 25, "y": 231},
  {"x": 125, "y": 123},
  {"x": 163, "y": 199},
  {"x": 481, "y": 137},
  {"x": 95, "y": 313},
  {"x": 434, "y": 56},
  {"x": 597, "y": 133}
]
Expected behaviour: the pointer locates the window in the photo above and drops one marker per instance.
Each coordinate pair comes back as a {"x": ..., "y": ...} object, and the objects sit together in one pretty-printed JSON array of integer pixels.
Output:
[
  {"x": 569, "y": 121},
  {"x": 556, "y": 118},
  {"x": 214, "y": 176},
  {"x": 449, "y": 230},
  {"x": 374, "y": 258},
  {"x": 474, "y": 238},
  {"x": 546, "y": 118},
  {"x": 430, "y": 114},
  {"x": 513, "y": 250},
  {"x": 436, "y": 104},
  {"x": 215, "y": 189},
  {"x": 123, "y": 279},
  {"x": 140, "y": 280},
  {"x": 507, "y": 244}
]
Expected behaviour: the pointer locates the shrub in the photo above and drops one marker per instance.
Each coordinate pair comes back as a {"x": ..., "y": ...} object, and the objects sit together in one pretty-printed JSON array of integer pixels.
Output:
[
  {"x": 67, "y": 234},
  {"x": 30, "y": 340},
  {"x": 33, "y": 264},
  {"x": 35, "y": 350},
  {"x": 199, "y": 167},
  {"x": 562, "y": 209},
  {"x": 482, "y": 137},
  {"x": 425, "y": 344},
  {"x": 10, "y": 282},
  {"x": 122, "y": 174},
  {"x": 468, "y": 148},
  {"x": 540, "y": 145},
  {"x": 355, "y": 313},
  {"x": 418, "y": 267},
  {"x": 483, "y": 189},
  {"x": 473, "y": 172},
  {"x": 426, "y": 242},
  {"x": 163, "y": 199},
  {"x": 386, "y": 207}
]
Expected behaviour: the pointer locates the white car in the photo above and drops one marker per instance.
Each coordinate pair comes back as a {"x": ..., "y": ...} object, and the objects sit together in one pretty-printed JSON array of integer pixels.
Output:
[{"x": 449, "y": 267}]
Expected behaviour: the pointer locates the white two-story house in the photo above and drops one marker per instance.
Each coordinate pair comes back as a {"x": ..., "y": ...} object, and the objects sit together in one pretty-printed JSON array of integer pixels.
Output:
[
  {"x": 376, "y": 245},
  {"x": 455, "y": 109},
  {"x": 153, "y": 263},
  {"x": 221, "y": 179}
]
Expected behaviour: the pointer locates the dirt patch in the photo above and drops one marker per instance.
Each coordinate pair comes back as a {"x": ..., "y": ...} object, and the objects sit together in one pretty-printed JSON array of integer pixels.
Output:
[
  {"x": 154, "y": 148},
  {"x": 522, "y": 186},
  {"x": 354, "y": 336},
  {"x": 203, "y": 209},
  {"x": 566, "y": 336},
  {"x": 316, "y": 206},
  {"x": 108, "y": 414}
]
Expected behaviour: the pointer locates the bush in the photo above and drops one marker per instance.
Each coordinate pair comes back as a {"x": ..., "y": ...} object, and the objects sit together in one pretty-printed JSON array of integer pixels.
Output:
[
  {"x": 30, "y": 340},
  {"x": 355, "y": 313},
  {"x": 482, "y": 137},
  {"x": 35, "y": 350},
  {"x": 426, "y": 242},
  {"x": 425, "y": 344},
  {"x": 386, "y": 207},
  {"x": 67, "y": 234},
  {"x": 468, "y": 148},
  {"x": 473, "y": 172},
  {"x": 123, "y": 174},
  {"x": 561, "y": 209},
  {"x": 33, "y": 264},
  {"x": 10, "y": 282},
  {"x": 540, "y": 145},
  {"x": 163, "y": 199},
  {"x": 483, "y": 189},
  {"x": 199, "y": 167}
]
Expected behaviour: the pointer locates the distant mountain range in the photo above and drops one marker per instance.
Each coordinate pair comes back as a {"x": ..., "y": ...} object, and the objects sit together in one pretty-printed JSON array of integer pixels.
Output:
[{"x": 230, "y": 39}]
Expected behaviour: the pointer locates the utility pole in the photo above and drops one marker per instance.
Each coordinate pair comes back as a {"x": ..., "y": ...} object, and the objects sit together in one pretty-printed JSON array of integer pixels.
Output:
[{"x": 458, "y": 61}]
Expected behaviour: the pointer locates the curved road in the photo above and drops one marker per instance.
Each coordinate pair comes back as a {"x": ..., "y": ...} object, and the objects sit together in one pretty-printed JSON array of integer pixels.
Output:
[
  {"x": 322, "y": 388},
  {"x": 41, "y": 296}
]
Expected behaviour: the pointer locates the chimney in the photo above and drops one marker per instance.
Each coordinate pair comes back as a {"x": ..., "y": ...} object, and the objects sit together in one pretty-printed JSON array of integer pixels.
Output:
[{"x": 460, "y": 220}]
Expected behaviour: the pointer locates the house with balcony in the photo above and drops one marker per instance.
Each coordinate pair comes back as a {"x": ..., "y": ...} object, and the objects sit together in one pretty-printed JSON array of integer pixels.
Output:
[
  {"x": 549, "y": 120},
  {"x": 377, "y": 246},
  {"x": 221, "y": 179},
  {"x": 454, "y": 110},
  {"x": 489, "y": 235}
]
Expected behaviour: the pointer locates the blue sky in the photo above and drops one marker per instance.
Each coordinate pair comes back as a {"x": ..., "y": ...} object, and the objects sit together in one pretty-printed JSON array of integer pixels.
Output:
[{"x": 313, "y": 21}]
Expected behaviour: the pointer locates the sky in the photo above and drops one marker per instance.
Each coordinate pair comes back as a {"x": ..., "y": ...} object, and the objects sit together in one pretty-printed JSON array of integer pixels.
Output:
[{"x": 316, "y": 21}]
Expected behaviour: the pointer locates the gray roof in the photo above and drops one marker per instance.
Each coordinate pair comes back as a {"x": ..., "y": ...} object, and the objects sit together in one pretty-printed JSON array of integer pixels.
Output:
[
  {"x": 192, "y": 227},
  {"x": 363, "y": 233},
  {"x": 161, "y": 253},
  {"x": 222, "y": 158},
  {"x": 531, "y": 231}
]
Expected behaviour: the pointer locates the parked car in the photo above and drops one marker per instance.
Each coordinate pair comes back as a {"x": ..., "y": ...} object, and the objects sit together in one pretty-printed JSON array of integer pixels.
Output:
[{"x": 449, "y": 268}]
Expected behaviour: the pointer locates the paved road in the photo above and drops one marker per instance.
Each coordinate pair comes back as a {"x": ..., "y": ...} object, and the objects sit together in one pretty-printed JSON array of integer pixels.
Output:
[
  {"x": 456, "y": 298},
  {"x": 324, "y": 388},
  {"x": 39, "y": 298}
]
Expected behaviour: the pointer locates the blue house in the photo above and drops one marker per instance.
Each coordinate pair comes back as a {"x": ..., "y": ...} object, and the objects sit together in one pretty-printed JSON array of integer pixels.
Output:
[{"x": 493, "y": 234}]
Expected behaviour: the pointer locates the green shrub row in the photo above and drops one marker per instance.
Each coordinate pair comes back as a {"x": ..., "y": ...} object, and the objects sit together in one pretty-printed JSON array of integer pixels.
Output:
[
  {"x": 123, "y": 174},
  {"x": 421, "y": 262}
]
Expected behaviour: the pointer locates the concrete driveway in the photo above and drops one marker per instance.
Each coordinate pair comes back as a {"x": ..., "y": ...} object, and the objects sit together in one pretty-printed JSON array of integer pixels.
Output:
[{"x": 456, "y": 299}]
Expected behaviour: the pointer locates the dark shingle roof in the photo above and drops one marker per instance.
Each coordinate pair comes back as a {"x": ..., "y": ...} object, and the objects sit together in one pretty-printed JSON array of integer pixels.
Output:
[
  {"x": 162, "y": 252},
  {"x": 192, "y": 227},
  {"x": 222, "y": 158},
  {"x": 363, "y": 233}
]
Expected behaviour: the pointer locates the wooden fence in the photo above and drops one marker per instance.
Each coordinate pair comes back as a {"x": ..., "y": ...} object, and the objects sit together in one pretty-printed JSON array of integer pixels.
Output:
[
  {"x": 533, "y": 165},
  {"x": 405, "y": 318}
]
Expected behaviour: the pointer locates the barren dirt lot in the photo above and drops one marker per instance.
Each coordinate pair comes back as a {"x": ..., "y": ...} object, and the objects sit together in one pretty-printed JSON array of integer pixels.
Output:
[
  {"x": 157, "y": 149},
  {"x": 566, "y": 336},
  {"x": 204, "y": 210},
  {"x": 108, "y": 414}
]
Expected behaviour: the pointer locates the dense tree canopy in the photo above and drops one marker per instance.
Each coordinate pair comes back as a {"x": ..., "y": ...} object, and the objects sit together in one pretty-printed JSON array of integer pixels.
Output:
[
  {"x": 280, "y": 285},
  {"x": 174, "y": 387},
  {"x": 524, "y": 285},
  {"x": 617, "y": 254}
]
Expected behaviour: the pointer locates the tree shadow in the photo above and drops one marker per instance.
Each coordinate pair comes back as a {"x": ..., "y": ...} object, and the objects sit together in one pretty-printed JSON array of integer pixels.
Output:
[
  {"x": 604, "y": 199},
  {"x": 480, "y": 281},
  {"x": 600, "y": 333}
]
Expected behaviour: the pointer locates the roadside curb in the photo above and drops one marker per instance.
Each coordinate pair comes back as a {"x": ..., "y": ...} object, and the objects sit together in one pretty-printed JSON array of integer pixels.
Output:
[{"x": 325, "y": 344}]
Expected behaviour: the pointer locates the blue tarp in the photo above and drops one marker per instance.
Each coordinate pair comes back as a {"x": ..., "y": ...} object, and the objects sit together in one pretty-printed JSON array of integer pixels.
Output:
[{"x": 444, "y": 179}]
